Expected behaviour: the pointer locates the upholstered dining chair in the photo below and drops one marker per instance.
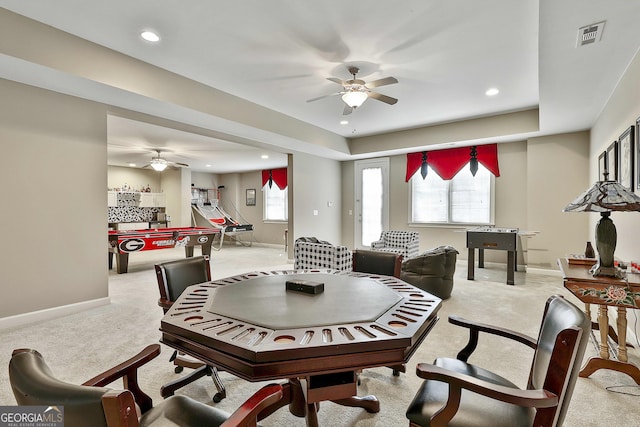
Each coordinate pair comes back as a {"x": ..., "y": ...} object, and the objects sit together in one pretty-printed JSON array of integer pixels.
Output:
[
  {"x": 92, "y": 404},
  {"x": 173, "y": 278},
  {"x": 457, "y": 393},
  {"x": 383, "y": 263}
]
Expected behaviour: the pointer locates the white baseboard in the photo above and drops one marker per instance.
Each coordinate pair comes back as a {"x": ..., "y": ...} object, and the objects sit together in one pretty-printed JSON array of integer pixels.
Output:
[{"x": 51, "y": 313}]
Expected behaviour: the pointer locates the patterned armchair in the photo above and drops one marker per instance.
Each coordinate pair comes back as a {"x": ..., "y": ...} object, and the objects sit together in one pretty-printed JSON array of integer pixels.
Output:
[
  {"x": 405, "y": 243},
  {"x": 310, "y": 253}
]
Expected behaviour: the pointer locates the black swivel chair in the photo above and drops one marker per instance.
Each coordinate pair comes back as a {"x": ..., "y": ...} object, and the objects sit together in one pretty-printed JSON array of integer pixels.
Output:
[
  {"x": 173, "y": 278},
  {"x": 92, "y": 404},
  {"x": 456, "y": 393}
]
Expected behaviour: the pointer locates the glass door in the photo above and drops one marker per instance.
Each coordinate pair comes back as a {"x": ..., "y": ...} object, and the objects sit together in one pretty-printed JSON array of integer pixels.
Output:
[{"x": 371, "y": 200}]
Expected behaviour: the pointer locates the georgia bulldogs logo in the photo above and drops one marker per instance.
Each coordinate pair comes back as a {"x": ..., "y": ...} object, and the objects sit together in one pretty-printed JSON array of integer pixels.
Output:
[
  {"x": 131, "y": 245},
  {"x": 203, "y": 239}
]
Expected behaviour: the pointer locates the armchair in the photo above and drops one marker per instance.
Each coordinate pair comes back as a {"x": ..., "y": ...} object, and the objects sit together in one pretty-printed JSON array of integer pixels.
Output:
[
  {"x": 173, "y": 278},
  {"x": 310, "y": 253},
  {"x": 92, "y": 404},
  {"x": 405, "y": 243},
  {"x": 457, "y": 393}
]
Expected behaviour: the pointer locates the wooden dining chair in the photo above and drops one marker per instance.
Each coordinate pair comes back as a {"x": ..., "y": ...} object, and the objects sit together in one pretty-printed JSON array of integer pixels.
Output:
[
  {"x": 375, "y": 262},
  {"x": 457, "y": 393},
  {"x": 173, "y": 278},
  {"x": 382, "y": 263},
  {"x": 93, "y": 404}
]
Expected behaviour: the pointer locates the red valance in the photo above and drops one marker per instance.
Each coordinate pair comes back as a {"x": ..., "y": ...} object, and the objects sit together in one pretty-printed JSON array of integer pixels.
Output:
[
  {"x": 279, "y": 176},
  {"x": 447, "y": 163}
]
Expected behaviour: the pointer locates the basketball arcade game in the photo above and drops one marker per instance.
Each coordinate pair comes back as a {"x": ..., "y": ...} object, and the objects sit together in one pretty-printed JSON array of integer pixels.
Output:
[{"x": 207, "y": 212}]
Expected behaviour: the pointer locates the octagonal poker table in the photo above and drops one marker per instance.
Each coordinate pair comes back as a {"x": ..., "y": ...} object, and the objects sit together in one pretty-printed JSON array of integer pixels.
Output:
[{"x": 254, "y": 327}]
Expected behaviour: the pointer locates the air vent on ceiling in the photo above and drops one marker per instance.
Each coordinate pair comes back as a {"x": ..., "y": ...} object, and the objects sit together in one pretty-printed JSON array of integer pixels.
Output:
[{"x": 590, "y": 34}]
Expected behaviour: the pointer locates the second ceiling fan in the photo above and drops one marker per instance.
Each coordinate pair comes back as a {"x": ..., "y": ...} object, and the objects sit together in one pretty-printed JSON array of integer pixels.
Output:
[{"x": 356, "y": 91}]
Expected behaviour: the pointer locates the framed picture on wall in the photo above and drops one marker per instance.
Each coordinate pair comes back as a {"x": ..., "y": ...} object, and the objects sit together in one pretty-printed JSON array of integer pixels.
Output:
[
  {"x": 637, "y": 153},
  {"x": 625, "y": 158},
  {"x": 612, "y": 161},
  {"x": 251, "y": 197},
  {"x": 602, "y": 166}
]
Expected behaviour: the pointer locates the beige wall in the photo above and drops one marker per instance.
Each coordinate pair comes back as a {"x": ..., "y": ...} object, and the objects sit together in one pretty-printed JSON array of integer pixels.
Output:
[
  {"x": 317, "y": 186},
  {"x": 135, "y": 178},
  {"x": 621, "y": 111},
  {"x": 557, "y": 172},
  {"x": 53, "y": 171}
]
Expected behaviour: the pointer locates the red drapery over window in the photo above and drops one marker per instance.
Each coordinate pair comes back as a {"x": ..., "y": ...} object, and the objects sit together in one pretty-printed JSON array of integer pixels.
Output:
[
  {"x": 447, "y": 163},
  {"x": 277, "y": 176}
]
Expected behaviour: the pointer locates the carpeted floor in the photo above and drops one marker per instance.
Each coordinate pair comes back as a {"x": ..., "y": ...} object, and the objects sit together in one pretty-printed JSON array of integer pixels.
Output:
[{"x": 79, "y": 346}]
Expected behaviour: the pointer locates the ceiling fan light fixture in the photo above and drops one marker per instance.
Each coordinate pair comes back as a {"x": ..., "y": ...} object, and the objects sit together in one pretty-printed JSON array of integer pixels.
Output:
[
  {"x": 354, "y": 99},
  {"x": 158, "y": 164}
]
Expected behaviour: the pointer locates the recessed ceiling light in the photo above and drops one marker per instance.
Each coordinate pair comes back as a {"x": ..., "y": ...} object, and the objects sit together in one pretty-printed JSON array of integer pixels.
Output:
[
  {"x": 150, "y": 36},
  {"x": 208, "y": 166},
  {"x": 344, "y": 122},
  {"x": 492, "y": 91},
  {"x": 133, "y": 165},
  {"x": 264, "y": 156}
]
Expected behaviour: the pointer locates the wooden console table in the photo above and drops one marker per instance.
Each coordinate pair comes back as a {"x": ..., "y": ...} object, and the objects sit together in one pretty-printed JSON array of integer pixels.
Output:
[{"x": 605, "y": 291}]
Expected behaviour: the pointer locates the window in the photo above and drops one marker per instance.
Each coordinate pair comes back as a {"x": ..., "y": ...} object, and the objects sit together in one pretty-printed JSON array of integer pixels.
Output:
[
  {"x": 465, "y": 199},
  {"x": 276, "y": 204}
]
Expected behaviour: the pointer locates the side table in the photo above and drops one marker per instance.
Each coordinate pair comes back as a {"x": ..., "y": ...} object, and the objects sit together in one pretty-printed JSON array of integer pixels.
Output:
[{"x": 605, "y": 291}]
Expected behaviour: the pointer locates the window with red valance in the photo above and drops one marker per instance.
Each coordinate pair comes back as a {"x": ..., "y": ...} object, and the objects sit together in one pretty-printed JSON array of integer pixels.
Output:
[
  {"x": 447, "y": 163},
  {"x": 277, "y": 176}
]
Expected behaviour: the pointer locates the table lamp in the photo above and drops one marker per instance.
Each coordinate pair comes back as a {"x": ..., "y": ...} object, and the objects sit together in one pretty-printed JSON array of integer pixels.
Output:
[{"x": 604, "y": 197}]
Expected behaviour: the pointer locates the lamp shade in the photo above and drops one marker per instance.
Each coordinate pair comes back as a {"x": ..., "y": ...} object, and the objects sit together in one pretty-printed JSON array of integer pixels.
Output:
[
  {"x": 354, "y": 99},
  {"x": 605, "y": 196},
  {"x": 158, "y": 164}
]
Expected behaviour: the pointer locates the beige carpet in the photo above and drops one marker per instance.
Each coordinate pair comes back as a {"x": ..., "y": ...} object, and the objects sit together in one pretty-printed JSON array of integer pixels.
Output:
[{"x": 79, "y": 346}]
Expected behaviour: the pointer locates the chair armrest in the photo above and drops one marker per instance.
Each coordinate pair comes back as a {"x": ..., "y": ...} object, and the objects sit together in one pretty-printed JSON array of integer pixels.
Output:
[
  {"x": 128, "y": 371},
  {"x": 475, "y": 328},
  {"x": 377, "y": 244},
  {"x": 120, "y": 408},
  {"x": 248, "y": 413},
  {"x": 516, "y": 396},
  {"x": 165, "y": 304}
]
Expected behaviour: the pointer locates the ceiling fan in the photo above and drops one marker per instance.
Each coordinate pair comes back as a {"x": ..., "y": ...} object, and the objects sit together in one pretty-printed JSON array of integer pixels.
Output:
[
  {"x": 356, "y": 91},
  {"x": 159, "y": 164}
]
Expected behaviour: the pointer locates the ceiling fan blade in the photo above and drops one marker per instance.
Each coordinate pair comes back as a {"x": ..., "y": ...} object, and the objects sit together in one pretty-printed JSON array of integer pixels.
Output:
[
  {"x": 337, "y": 80},
  {"x": 382, "y": 82},
  {"x": 384, "y": 98},
  {"x": 347, "y": 110},
  {"x": 180, "y": 164},
  {"x": 323, "y": 96}
]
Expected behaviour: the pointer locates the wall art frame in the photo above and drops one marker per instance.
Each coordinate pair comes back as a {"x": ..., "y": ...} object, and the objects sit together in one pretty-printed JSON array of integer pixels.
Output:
[
  {"x": 251, "y": 197},
  {"x": 612, "y": 161},
  {"x": 637, "y": 153},
  {"x": 626, "y": 155},
  {"x": 602, "y": 166}
]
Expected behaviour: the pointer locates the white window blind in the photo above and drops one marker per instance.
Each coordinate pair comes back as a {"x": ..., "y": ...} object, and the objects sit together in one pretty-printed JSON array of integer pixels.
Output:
[{"x": 465, "y": 199}]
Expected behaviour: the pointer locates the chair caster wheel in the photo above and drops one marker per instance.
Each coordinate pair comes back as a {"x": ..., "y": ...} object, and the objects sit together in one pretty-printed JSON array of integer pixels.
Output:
[
  {"x": 217, "y": 397},
  {"x": 178, "y": 369},
  {"x": 396, "y": 373}
]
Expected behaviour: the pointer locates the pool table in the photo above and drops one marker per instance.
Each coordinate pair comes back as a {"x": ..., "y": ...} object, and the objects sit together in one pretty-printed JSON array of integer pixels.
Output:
[{"x": 124, "y": 242}]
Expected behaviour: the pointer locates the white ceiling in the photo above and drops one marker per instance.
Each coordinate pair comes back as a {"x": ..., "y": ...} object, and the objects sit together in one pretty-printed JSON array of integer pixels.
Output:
[{"x": 278, "y": 54}]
